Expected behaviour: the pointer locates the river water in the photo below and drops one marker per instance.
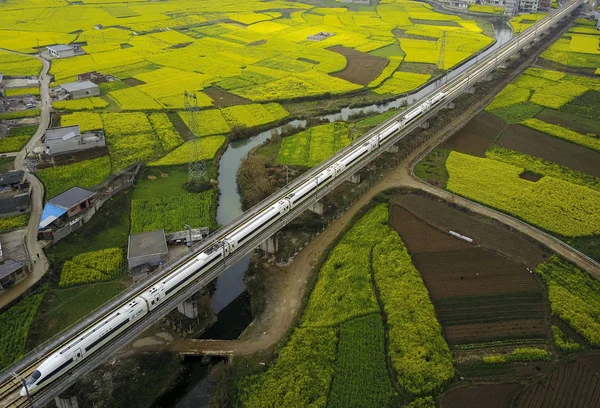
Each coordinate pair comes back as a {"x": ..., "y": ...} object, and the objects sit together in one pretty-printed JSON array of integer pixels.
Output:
[{"x": 230, "y": 284}]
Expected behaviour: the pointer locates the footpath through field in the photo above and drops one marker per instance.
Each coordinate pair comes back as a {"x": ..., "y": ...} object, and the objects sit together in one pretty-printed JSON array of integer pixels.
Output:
[{"x": 32, "y": 246}]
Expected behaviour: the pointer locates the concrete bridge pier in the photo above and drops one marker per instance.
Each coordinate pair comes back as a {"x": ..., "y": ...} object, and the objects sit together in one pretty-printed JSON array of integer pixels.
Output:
[
  {"x": 191, "y": 307},
  {"x": 355, "y": 178},
  {"x": 450, "y": 105},
  {"x": 63, "y": 401},
  {"x": 317, "y": 208},
  {"x": 424, "y": 125},
  {"x": 270, "y": 245},
  {"x": 488, "y": 77},
  {"x": 470, "y": 90},
  {"x": 393, "y": 149}
]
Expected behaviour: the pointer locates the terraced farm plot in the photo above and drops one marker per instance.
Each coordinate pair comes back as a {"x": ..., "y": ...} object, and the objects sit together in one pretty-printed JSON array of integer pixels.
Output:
[{"x": 462, "y": 278}]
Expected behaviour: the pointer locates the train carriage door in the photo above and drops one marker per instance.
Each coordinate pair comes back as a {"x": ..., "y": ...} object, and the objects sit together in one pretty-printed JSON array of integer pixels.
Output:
[{"x": 77, "y": 354}]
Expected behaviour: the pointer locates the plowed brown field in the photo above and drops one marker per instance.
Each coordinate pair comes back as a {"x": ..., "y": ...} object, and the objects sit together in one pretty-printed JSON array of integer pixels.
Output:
[
  {"x": 576, "y": 385},
  {"x": 478, "y": 396},
  {"x": 478, "y": 294},
  {"x": 477, "y": 135}
]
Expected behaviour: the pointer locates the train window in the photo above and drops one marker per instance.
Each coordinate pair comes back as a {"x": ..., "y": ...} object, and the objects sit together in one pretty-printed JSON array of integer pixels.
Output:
[{"x": 34, "y": 377}]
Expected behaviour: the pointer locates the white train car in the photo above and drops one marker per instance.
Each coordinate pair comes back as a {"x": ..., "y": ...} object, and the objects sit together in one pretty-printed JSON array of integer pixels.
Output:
[
  {"x": 168, "y": 286},
  {"x": 110, "y": 326},
  {"x": 259, "y": 223},
  {"x": 87, "y": 342}
]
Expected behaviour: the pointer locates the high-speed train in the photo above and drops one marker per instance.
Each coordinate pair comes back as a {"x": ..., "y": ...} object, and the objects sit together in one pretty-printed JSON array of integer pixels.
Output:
[{"x": 111, "y": 325}]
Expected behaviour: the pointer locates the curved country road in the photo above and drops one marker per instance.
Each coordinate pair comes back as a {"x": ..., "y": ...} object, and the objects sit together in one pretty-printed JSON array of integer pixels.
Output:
[
  {"x": 32, "y": 245},
  {"x": 285, "y": 286}
]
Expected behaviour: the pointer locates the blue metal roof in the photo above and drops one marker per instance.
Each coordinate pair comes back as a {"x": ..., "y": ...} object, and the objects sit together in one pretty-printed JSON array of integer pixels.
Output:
[{"x": 50, "y": 213}]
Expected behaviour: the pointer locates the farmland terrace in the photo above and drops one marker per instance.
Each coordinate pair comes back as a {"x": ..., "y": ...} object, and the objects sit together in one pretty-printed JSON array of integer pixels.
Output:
[{"x": 452, "y": 89}]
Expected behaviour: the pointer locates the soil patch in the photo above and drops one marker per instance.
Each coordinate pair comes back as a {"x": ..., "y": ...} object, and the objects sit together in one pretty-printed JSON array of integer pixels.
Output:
[
  {"x": 133, "y": 82},
  {"x": 482, "y": 395},
  {"x": 362, "y": 68},
  {"x": 538, "y": 144},
  {"x": 477, "y": 136},
  {"x": 528, "y": 175},
  {"x": 223, "y": 99},
  {"x": 441, "y": 23},
  {"x": 486, "y": 232},
  {"x": 576, "y": 385},
  {"x": 568, "y": 120},
  {"x": 259, "y": 42},
  {"x": 479, "y": 295}
]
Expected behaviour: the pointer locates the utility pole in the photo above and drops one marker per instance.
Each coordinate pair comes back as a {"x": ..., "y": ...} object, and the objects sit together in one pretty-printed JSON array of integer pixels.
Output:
[
  {"x": 197, "y": 171},
  {"x": 442, "y": 55}
]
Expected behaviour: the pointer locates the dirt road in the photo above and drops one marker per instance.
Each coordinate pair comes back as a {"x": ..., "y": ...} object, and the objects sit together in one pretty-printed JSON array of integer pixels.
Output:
[{"x": 32, "y": 245}]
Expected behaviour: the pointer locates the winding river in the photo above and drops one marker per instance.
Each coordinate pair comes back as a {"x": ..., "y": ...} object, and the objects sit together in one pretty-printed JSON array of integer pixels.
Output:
[{"x": 230, "y": 284}]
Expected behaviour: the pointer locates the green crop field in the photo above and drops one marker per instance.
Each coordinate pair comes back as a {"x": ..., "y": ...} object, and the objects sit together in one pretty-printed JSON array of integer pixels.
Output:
[
  {"x": 93, "y": 267},
  {"x": 336, "y": 357},
  {"x": 15, "y": 324},
  {"x": 16, "y": 138},
  {"x": 551, "y": 204},
  {"x": 85, "y": 174},
  {"x": 574, "y": 297},
  {"x": 248, "y": 48},
  {"x": 312, "y": 146}
]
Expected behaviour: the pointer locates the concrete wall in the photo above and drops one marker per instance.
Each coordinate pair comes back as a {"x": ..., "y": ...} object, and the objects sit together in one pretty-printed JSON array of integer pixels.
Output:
[
  {"x": 86, "y": 93},
  {"x": 150, "y": 259}
]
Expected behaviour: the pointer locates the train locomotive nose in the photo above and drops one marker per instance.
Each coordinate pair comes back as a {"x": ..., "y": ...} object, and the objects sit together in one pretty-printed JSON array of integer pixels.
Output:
[{"x": 23, "y": 392}]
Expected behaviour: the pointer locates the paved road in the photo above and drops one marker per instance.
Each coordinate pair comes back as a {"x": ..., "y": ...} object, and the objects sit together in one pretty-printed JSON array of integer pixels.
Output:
[{"x": 32, "y": 245}]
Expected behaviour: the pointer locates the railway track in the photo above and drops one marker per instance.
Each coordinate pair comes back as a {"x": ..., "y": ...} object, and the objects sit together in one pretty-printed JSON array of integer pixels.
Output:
[{"x": 10, "y": 387}]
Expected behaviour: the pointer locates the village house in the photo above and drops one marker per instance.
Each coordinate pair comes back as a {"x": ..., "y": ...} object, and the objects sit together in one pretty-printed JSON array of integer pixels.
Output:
[
  {"x": 11, "y": 272},
  {"x": 61, "y": 214},
  {"x": 81, "y": 89},
  {"x": 14, "y": 193},
  {"x": 146, "y": 250},
  {"x": 61, "y": 51},
  {"x": 69, "y": 139}
]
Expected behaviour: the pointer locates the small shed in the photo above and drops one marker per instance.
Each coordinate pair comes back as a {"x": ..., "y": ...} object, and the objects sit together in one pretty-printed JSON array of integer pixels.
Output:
[
  {"x": 11, "y": 272},
  {"x": 81, "y": 89},
  {"x": 147, "y": 248},
  {"x": 61, "y": 51},
  {"x": 12, "y": 179},
  {"x": 74, "y": 200},
  {"x": 14, "y": 205},
  {"x": 69, "y": 139}
]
